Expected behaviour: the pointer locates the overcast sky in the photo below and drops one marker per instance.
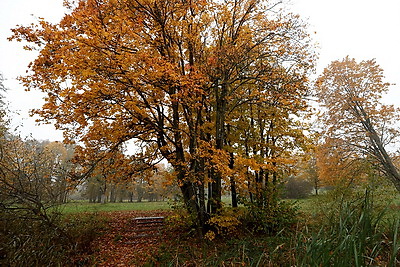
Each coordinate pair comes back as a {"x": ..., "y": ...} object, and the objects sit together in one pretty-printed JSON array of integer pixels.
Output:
[{"x": 363, "y": 29}]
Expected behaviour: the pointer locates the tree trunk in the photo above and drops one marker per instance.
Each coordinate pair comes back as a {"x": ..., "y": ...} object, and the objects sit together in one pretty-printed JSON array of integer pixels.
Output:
[
  {"x": 381, "y": 154},
  {"x": 113, "y": 196},
  {"x": 231, "y": 166},
  {"x": 216, "y": 194},
  {"x": 221, "y": 102},
  {"x": 209, "y": 189},
  {"x": 378, "y": 149},
  {"x": 233, "y": 193},
  {"x": 191, "y": 202}
]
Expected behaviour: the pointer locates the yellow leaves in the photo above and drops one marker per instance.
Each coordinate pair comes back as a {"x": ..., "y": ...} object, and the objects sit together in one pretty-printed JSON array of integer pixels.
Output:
[
  {"x": 86, "y": 73},
  {"x": 32, "y": 168},
  {"x": 226, "y": 224},
  {"x": 210, "y": 235},
  {"x": 338, "y": 165},
  {"x": 249, "y": 163}
]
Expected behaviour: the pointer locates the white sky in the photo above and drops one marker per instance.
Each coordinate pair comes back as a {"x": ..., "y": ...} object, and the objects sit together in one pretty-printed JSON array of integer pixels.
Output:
[{"x": 363, "y": 29}]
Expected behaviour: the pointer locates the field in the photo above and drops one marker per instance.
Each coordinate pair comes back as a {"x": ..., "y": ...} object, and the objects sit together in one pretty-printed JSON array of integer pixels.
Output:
[
  {"x": 308, "y": 205},
  {"x": 84, "y": 206}
]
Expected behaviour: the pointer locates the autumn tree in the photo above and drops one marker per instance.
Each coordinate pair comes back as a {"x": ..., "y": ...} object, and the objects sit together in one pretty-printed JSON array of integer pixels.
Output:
[
  {"x": 307, "y": 169},
  {"x": 270, "y": 134},
  {"x": 60, "y": 165},
  {"x": 354, "y": 116},
  {"x": 340, "y": 166},
  {"x": 33, "y": 175},
  {"x": 32, "y": 184},
  {"x": 183, "y": 80}
]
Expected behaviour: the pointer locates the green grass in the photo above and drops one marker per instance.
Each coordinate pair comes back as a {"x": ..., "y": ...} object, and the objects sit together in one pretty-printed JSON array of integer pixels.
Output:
[
  {"x": 85, "y": 206},
  {"x": 77, "y": 207},
  {"x": 353, "y": 233},
  {"x": 309, "y": 206},
  {"x": 313, "y": 205}
]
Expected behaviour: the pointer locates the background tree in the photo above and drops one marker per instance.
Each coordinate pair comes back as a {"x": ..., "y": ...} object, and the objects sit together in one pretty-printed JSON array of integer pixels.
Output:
[
  {"x": 340, "y": 167},
  {"x": 307, "y": 171},
  {"x": 297, "y": 188},
  {"x": 2, "y": 87},
  {"x": 33, "y": 175},
  {"x": 351, "y": 94},
  {"x": 173, "y": 76},
  {"x": 61, "y": 165},
  {"x": 312, "y": 173},
  {"x": 33, "y": 181},
  {"x": 93, "y": 187}
]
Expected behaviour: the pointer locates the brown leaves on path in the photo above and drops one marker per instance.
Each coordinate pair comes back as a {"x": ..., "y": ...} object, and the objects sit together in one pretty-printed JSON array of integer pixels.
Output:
[{"x": 125, "y": 243}]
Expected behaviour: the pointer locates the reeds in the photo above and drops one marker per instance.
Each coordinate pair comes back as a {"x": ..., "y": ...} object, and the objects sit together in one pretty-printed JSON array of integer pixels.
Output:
[{"x": 353, "y": 235}]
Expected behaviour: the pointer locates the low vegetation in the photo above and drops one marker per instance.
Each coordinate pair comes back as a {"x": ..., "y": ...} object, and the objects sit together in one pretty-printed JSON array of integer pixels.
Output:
[
  {"x": 357, "y": 230},
  {"x": 339, "y": 228},
  {"x": 30, "y": 240}
]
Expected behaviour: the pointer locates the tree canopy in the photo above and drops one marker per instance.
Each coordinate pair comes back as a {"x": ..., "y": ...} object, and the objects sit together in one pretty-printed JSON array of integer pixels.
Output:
[
  {"x": 214, "y": 87},
  {"x": 354, "y": 115}
]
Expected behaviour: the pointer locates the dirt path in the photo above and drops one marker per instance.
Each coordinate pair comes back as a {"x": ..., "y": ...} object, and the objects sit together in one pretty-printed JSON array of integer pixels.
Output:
[{"x": 126, "y": 242}]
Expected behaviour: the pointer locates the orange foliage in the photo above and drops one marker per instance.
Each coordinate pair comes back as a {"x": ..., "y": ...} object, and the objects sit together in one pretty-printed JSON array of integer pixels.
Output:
[
  {"x": 173, "y": 76},
  {"x": 354, "y": 116},
  {"x": 336, "y": 166}
]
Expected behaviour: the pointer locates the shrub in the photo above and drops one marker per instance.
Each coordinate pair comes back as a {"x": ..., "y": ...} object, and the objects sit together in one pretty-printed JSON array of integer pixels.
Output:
[
  {"x": 271, "y": 218},
  {"x": 28, "y": 240},
  {"x": 225, "y": 225},
  {"x": 297, "y": 188}
]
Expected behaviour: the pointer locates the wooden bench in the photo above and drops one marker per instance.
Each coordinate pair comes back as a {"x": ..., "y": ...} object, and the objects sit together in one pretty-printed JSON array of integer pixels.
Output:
[
  {"x": 148, "y": 220},
  {"x": 145, "y": 228}
]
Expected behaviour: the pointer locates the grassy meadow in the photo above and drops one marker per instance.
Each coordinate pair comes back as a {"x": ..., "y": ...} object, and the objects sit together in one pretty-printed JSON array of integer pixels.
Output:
[
  {"x": 307, "y": 206},
  {"x": 84, "y": 206}
]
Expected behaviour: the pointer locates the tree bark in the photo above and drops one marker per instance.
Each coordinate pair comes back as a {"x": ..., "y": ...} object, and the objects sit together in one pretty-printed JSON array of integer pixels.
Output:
[
  {"x": 384, "y": 159},
  {"x": 221, "y": 93},
  {"x": 233, "y": 182},
  {"x": 376, "y": 145}
]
